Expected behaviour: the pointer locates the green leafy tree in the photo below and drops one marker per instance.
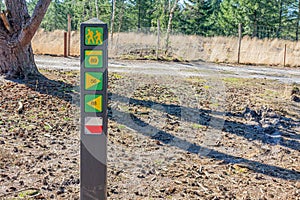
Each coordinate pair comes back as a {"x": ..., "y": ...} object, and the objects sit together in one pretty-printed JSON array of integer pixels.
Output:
[
  {"x": 83, "y": 10},
  {"x": 229, "y": 17},
  {"x": 297, "y": 20},
  {"x": 251, "y": 13},
  {"x": 290, "y": 19},
  {"x": 56, "y": 17},
  {"x": 126, "y": 15},
  {"x": 195, "y": 17},
  {"x": 260, "y": 18},
  {"x": 161, "y": 13}
]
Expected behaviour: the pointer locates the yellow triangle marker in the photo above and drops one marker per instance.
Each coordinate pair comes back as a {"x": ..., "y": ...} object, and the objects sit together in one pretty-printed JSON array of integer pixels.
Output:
[
  {"x": 96, "y": 103},
  {"x": 90, "y": 81}
]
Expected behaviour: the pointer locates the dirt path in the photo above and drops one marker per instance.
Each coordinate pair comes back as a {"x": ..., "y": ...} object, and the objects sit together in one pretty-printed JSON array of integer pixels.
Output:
[
  {"x": 286, "y": 75},
  {"x": 176, "y": 131}
]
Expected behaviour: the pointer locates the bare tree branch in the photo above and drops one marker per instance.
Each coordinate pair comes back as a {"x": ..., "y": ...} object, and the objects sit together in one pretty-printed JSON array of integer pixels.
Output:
[
  {"x": 31, "y": 27},
  {"x": 5, "y": 21}
]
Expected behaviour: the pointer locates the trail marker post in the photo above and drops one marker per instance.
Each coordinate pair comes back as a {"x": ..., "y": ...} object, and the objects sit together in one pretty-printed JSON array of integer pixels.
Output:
[{"x": 93, "y": 107}]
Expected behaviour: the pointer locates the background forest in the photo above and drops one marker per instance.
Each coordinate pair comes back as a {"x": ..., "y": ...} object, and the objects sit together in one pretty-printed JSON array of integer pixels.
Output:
[{"x": 260, "y": 18}]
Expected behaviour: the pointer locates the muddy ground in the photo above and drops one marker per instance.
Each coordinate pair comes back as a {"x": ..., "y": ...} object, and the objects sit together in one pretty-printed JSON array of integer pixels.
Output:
[{"x": 171, "y": 136}]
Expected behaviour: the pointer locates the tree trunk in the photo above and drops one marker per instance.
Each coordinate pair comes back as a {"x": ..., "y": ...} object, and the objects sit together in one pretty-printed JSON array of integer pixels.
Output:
[
  {"x": 17, "y": 29},
  {"x": 139, "y": 15},
  {"x": 280, "y": 19},
  {"x": 298, "y": 21},
  {"x": 169, "y": 25},
  {"x": 255, "y": 25},
  {"x": 97, "y": 9},
  {"x": 112, "y": 20},
  {"x": 17, "y": 61},
  {"x": 121, "y": 16}
]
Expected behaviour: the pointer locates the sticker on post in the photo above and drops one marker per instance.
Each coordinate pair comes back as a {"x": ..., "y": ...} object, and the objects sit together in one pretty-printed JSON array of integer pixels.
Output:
[
  {"x": 93, "y": 59},
  {"x": 93, "y": 103},
  {"x": 93, "y": 81},
  {"x": 93, "y": 125},
  {"x": 93, "y": 36}
]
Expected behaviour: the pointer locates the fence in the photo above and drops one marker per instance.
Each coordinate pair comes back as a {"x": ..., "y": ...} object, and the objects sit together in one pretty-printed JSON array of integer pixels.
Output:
[{"x": 149, "y": 43}]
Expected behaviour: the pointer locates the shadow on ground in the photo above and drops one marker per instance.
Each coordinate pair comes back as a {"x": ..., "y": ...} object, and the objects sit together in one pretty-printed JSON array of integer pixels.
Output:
[
  {"x": 70, "y": 94},
  {"x": 59, "y": 89},
  {"x": 249, "y": 132}
]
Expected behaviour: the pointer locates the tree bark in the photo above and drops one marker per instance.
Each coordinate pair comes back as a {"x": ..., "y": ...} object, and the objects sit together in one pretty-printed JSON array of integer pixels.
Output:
[
  {"x": 121, "y": 17},
  {"x": 298, "y": 21},
  {"x": 172, "y": 10},
  {"x": 112, "y": 20},
  {"x": 16, "y": 55},
  {"x": 280, "y": 19},
  {"x": 97, "y": 9},
  {"x": 255, "y": 25}
]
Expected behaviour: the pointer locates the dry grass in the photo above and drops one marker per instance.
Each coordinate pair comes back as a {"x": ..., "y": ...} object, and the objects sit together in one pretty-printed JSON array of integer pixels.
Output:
[
  {"x": 52, "y": 43},
  {"x": 215, "y": 49}
]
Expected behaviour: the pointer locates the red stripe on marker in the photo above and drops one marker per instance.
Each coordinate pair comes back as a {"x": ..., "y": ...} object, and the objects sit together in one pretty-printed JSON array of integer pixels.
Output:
[{"x": 94, "y": 129}]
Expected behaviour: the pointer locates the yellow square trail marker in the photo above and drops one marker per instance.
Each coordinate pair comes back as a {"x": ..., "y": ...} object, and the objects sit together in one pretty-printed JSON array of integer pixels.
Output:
[
  {"x": 93, "y": 109},
  {"x": 93, "y": 59},
  {"x": 93, "y": 36}
]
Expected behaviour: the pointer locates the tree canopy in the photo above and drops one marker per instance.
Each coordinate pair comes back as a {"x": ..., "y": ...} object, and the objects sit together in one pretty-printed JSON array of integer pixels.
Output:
[{"x": 260, "y": 18}]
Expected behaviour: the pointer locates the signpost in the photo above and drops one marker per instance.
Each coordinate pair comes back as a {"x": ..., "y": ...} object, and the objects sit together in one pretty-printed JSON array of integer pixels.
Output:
[{"x": 94, "y": 78}]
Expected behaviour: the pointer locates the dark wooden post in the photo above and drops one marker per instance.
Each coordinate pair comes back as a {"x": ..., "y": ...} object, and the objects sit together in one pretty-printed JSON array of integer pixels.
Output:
[
  {"x": 69, "y": 34},
  {"x": 93, "y": 104},
  {"x": 158, "y": 39},
  {"x": 284, "y": 56},
  {"x": 65, "y": 44}
]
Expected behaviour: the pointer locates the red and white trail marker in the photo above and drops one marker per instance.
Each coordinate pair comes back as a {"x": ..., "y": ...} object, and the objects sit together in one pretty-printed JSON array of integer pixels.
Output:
[{"x": 93, "y": 125}]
